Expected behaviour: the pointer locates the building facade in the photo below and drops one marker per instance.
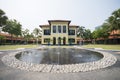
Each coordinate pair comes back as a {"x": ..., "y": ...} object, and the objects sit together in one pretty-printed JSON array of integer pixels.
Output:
[{"x": 59, "y": 32}]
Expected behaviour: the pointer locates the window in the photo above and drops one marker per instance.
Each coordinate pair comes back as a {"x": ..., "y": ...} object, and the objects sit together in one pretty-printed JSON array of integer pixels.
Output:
[
  {"x": 46, "y": 40},
  {"x": 54, "y": 29},
  {"x": 64, "y": 29},
  {"x": 71, "y": 40},
  {"x": 47, "y": 32},
  {"x": 71, "y": 32},
  {"x": 59, "y": 29}
]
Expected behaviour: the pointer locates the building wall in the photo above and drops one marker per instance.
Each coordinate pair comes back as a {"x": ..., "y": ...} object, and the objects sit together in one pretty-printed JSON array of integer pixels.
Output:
[
  {"x": 45, "y": 36},
  {"x": 57, "y": 35},
  {"x": 73, "y": 36}
]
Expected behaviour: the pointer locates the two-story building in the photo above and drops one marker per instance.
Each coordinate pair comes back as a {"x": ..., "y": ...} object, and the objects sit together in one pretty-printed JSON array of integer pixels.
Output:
[{"x": 59, "y": 32}]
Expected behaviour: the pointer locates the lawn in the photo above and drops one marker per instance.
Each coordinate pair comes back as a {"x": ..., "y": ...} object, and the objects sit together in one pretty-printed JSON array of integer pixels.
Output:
[
  {"x": 109, "y": 47},
  {"x": 11, "y": 47}
]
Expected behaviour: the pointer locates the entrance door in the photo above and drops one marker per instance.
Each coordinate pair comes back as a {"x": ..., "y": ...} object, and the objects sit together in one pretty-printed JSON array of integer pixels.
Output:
[
  {"x": 54, "y": 41},
  {"x": 64, "y": 41},
  {"x": 59, "y": 41}
]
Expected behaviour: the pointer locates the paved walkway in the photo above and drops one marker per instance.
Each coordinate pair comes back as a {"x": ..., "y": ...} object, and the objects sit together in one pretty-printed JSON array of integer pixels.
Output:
[{"x": 110, "y": 73}]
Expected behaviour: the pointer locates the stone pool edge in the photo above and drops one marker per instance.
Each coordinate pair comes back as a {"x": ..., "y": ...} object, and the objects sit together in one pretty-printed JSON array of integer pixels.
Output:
[{"x": 106, "y": 61}]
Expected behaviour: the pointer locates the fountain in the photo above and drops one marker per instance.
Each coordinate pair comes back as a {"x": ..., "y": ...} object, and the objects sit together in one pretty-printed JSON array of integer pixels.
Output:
[{"x": 59, "y": 60}]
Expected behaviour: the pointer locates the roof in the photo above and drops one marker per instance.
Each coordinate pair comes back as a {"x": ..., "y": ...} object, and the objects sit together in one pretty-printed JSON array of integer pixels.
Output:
[
  {"x": 59, "y": 21},
  {"x": 49, "y": 21},
  {"x": 47, "y": 25},
  {"x": 4, "y": 34},
  {"x": 73, "y": 26}
]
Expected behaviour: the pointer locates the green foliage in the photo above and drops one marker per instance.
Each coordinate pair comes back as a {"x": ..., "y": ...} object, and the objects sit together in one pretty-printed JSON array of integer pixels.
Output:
[
  {"x": 3, "y": 18},
  {"x": 12, "y": 27},
  {"x": 2, "y": 37},
  {"x": 114, "y": 20},
  {"x": 101, "y": 32},
  {"x": 105, "y": 30},
  {"x": 84, "y": 33},
  {"x": 37, "y": 32},
  {"x": 112, "y": 23},
  {"x": 87, "y": 34},
  {"x": 95, "y": 34},
  {"x": 80, "y": 31},
  {"x": 26, "y": 34}
]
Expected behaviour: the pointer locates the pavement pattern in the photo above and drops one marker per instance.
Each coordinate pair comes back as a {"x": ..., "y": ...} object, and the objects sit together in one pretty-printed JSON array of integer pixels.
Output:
[{"x": 109, "y": 73}]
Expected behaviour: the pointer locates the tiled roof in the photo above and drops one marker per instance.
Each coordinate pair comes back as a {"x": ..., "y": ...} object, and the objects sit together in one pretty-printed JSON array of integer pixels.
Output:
[
  {"x": 47, "y": 25},
  {"x": 73, "y": 26},
  {"x": 59, "y": 21},
  {"x": 4, "y": 34}
]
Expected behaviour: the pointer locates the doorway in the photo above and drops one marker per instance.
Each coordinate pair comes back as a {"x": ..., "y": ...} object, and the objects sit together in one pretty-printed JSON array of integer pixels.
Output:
[
  {"x": 64, "y": 41},
  {"x": 54, "y": 41}
]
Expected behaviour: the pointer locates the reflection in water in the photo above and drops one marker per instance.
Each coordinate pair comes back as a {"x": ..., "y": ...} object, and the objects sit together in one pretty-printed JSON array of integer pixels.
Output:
[{"x": 58, "y": 56}]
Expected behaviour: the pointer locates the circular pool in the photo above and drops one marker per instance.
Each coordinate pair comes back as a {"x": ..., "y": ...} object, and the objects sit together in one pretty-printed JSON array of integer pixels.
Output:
[
  {"x": 59, "y": 60},
  {"x": 59, "y": 56}
]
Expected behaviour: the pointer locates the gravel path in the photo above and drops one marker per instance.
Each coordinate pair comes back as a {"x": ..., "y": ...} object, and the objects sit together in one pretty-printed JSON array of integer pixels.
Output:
[{"x": 109, "y": 73}]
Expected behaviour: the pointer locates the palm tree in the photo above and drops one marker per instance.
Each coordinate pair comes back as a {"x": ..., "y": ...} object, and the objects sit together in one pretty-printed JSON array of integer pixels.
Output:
[
  {"x": 116, "y": 15},
  {"x": 80, "y": 32},
  {"x": 114, "y": 20},
  {"x": 25, "y": 35},
  {"x": 37, "y": 32}
]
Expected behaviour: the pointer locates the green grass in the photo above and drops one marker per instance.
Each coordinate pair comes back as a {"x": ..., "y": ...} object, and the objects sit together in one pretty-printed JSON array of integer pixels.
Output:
[
  {"x": 59, "y": 46},
  {"x": 11, "y": 47},
  {"x": 109, "y": 47}
]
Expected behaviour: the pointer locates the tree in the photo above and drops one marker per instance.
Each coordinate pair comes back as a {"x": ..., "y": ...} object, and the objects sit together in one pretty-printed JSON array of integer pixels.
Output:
[
  {"x": 116, "y": 15},
  {"x": 87, "y": 34},
  {"x": 37, "y": 32},
  {"x": 3, "y": 19},
  {"x": 26, "y": 35},
  {"x": 80, "y": 31},
  {"x": 84, "y": 33},
  {"x": 12, "y": 27},
  {"x": 111, "y": 24},
  {"x": 105, "y": 32},
  {"x": 101, "y": 32},
  {"x": 1, "y": 39},
  {"x": 114, "y": 20}
]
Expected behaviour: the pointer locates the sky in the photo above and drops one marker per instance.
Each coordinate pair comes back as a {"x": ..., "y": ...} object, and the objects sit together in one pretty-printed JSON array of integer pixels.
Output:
[{"x": 32, "y": 13}]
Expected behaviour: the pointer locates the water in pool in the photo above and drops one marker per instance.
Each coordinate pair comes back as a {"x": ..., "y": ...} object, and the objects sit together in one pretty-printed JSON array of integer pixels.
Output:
[{"x": 59, "y": 56}]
